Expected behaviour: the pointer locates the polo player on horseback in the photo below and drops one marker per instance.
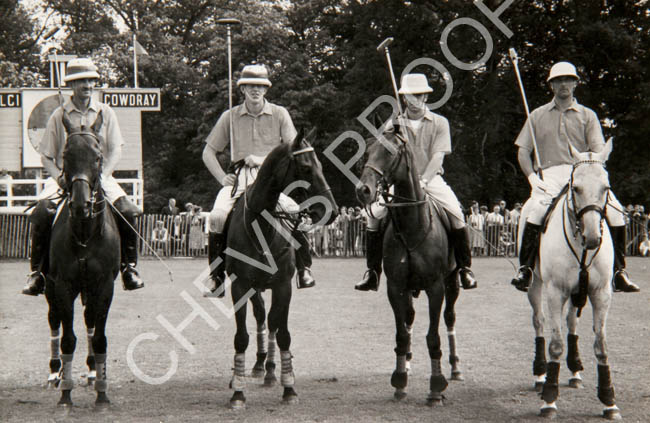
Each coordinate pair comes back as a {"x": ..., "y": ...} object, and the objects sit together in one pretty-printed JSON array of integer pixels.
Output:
[
  {"x": 258, "y": 127},
  {"x": 428, "y": 134},
  {"x": 82, "y": 111},
  {"x": 557, "y": 125}
]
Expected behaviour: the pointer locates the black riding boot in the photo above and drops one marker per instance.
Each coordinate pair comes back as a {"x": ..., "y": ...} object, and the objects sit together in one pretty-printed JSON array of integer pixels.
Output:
[
  {"x": 41, "y": 219},
  {"x": 303, "y": 261},
  {"x": 463, "y": 255},
  {"x": 622, "y": 281},
  {"x": 527, "y": 256},
  {"x": 216, "y": 247},
  {"x": 129, "y": 243},
  {"x": 374, "y": 255}
]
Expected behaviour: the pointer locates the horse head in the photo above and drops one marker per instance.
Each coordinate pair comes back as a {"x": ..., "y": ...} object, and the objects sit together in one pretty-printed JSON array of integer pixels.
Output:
[
  {"x": 304, "y": 180},
  {"x": 384, "y": 165},
  {"x": 82, "y": 165},
  {"x": 589, "y": 191}
]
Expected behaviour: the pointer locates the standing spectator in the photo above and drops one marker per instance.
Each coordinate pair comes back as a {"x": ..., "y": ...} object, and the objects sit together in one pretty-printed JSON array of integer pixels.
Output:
[
  {"x": 170, "y": 209},
  {"x": 178, "y": 235},
  {"x": 476, "y": 224},
  {"x": 5, "y": 186},
  {"x": 341, "y": 223},
  {"x": 494, "y": 222},
  {"x": 353, "y": 231},
  {"x": 504, "y": 211},
  {"x": 196, "y": 231},
  {"x": 644, "y": 245},
  {"x": 514, "y": 214}
]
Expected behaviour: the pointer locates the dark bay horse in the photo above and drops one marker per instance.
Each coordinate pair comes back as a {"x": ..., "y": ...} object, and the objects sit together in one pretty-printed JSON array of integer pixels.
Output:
[
  {"x": 417, "y": 256},
  {"x": 84, "y": 255},
  {"x": 260, "y": 255}
]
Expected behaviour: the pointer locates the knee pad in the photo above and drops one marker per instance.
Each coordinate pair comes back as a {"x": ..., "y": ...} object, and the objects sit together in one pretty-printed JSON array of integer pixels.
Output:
[
  {"x": 217, "y": 220},
  {"x": 129, "y": 210}
]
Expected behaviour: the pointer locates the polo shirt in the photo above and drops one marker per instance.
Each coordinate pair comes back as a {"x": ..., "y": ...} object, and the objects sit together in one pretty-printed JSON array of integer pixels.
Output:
[
  {"x": 555, "y": 129},
  {"x": 252, "y": 134}
]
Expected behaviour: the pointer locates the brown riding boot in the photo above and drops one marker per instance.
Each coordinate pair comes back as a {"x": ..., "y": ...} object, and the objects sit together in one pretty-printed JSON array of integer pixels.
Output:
[
  {"x": 216, "y": 247},
  {"x": 622, "y": 282},
  {"x": 460, "y": 241},
  {"x": 527, "y": 256},
  {"x": 374, "y": 255}
]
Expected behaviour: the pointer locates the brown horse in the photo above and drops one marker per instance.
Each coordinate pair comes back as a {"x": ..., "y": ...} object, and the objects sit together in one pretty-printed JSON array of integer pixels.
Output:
[
  {"x": 261, "y": 255},
  {"x": 416, "y": 257},
  {"x": 84, "y": 255}
]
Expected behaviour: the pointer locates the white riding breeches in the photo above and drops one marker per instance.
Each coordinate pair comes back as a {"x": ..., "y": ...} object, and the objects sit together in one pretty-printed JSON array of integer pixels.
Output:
[
  {"x": 438, "y": 190},
  {"x": 224, "y": 202},
  {"x": 111, "y": 188},
  {"x": 555, "y": 178}
]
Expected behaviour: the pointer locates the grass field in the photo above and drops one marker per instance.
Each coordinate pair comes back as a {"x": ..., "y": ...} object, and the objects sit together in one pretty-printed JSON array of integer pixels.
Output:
[{"x": 342, "y": 342}]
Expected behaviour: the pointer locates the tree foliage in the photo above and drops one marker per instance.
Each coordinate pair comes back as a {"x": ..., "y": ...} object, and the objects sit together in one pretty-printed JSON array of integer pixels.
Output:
[{"x": 326, "y": 70}]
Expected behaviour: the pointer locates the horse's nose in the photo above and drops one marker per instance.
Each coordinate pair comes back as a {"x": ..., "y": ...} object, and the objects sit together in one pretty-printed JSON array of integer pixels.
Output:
[
  {"x": 363, "y": 193},
  {"x": 592, "y": 243}
]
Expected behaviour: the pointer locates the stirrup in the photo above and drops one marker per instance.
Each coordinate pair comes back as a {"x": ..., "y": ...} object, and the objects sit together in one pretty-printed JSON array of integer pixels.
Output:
[
  {"x": 35, "y": 284},
  {"x": 523, "y": 279},
  {"x": 305, "y": 279},
  {"x": 622, "y": 282},
  {"x": 131, "y": 279},
  {"x": 370, "y": 281},
  {"x": 218, "y": 290},
  {"x": 467, "y": 278}
]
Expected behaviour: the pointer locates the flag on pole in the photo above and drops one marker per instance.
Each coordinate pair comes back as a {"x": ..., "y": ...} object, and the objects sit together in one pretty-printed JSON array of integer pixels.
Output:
[{"x": 137, "y": 49}]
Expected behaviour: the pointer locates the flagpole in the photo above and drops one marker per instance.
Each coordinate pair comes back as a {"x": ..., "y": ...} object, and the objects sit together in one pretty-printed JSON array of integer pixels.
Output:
[{"x": 135, "y": 63}]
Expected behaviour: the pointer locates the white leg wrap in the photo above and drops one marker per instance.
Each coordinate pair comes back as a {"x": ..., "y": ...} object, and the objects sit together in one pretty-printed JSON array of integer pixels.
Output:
[
  {"x": 262, "y": 341},
  {"x": 239, "y": 374},
  {"x": 90, "y": 332},
  {"x": 270, "y": 356},
  {"x": 66, "y": 372},
  {"x": 101, "y": 382},
  {"x": 287, "y": 377},
  {"x": 55, "y": 346}
]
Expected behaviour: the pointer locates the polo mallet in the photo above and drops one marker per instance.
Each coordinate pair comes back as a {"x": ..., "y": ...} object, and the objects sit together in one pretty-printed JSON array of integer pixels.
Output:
[
  {"x": 383, "y": 47},
  {"x": 513, "y": 57},
  {"x": 229, "y": 22},
  {"x": 58, "y": 75}
]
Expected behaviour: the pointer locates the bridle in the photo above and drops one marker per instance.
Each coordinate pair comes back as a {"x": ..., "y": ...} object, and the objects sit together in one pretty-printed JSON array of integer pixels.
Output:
[
  {"x": 579, "y": 213},
  {"x": 93, "y": 185}
]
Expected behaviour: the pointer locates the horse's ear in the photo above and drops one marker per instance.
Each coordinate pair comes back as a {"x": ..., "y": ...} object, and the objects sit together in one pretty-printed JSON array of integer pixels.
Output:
[
  {"x": 603, "y": 155},
  {"x": 67, "y": 123},
  {"x": 296, "y": 141},
  {"x": 574, "y": 153},
  {"x": 97, "y": 125}
]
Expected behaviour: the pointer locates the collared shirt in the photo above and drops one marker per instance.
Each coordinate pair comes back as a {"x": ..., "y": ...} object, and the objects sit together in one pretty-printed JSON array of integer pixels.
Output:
[
  {"x": 256, "y": 135},
  {"x": 555, "y": 129},
  {"x": 54, "y": 139},
  {"x": 430, "y": 136}
]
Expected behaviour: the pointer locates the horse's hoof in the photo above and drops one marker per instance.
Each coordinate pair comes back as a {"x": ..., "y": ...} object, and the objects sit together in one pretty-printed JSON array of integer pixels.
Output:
[
  {"x": 576, "y": 383},
  {"x": 257, "y": 373},
  {"x": 289, "y": 396},
  {"x": 238, "y": 401},
  {"x": 270, "y": 380},
  {"x": 612, "y": 413},
  {"x": 434, "y": 399},
  {"x": 548, "y": 412},
  {"x": 102, "y": 403},
  {"x": 539, "y": 386},
  {"x": 399, "y": 394},
  {"x": 457, "y": 375}
]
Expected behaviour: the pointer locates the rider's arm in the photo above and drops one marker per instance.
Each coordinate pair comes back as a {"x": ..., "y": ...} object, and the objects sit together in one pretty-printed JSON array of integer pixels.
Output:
[
  {"x": 213, "y": 165},
  {"x": 525, "y": 161},
  {"x": 111, "y": 159},
  {"x": 434, "y": 166},
  {"x": 51, "y": 167}
]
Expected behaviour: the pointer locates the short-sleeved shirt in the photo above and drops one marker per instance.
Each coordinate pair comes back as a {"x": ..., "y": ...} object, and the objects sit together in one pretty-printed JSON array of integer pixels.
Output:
[
  {"x": 431, "y": 136},
  {"x": 54, "y": 139},
  {"x": 256, "y": 135},
  {"x": 555, "y": 129}
]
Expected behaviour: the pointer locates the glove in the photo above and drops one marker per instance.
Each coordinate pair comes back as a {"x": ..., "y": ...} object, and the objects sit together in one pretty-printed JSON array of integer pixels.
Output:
[
  {"x": 60, "y": 180},
  {"x": 536, "y": 183}
]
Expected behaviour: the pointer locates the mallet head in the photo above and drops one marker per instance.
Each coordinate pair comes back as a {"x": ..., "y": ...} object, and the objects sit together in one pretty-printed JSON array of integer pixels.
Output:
[
  {"x": 384, "y": 44},
  {"x": 513, "y": 54}
]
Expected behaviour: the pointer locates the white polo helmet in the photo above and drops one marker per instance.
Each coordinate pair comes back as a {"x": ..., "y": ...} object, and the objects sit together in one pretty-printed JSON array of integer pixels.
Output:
[
  {"x": 562, "y": 69},
  {"x": 254, "y": 75},
  {"x": 415, "y": 83}
]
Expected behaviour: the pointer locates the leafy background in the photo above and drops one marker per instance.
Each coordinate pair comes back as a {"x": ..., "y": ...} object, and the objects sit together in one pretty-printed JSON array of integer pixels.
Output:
[{"x": 326, "y": 71}]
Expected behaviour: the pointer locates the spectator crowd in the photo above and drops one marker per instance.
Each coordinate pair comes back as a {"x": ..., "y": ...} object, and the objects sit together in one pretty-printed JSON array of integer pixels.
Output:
[{"x": 183, "y": 232}]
